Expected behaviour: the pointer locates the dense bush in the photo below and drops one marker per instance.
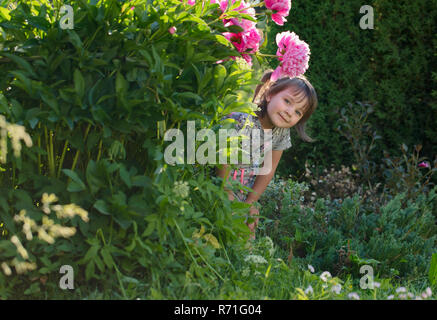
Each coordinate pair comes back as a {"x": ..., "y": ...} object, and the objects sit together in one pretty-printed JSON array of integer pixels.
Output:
[
  {"x": 340, "y": 236},
  {"x": 96, "y": 101},
  {"x": 390, "y": 66}
]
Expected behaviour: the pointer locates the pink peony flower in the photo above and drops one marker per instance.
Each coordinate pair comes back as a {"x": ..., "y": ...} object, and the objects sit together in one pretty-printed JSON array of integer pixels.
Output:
[
  {"x": 424, "y": 164},
  {"x": 294, "y": 55},
  {"x": 246, "y": 41},
  {"x": 280, "y": 8},
  {"x": 223, "y": 4},
  {"x": 172, "y": 30},
  {"x": 191, "y": 2}
]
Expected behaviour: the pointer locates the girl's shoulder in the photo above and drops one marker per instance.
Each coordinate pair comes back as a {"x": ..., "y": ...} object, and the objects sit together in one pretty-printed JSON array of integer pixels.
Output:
[
  {"x": 242, "y": 119},
  {"x": 281, "y": 139}
]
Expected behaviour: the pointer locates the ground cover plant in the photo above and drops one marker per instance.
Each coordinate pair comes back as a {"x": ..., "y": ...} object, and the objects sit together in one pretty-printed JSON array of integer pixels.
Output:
[{"x": 84, "y": 182}]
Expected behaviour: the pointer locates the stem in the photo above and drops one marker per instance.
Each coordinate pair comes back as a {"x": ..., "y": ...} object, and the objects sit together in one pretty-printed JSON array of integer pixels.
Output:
[
  {"x": 62, "y": 158},
  {"x": 52, "y": 155},
  {"x": 13, "y": 175},
  {"x": 76, "y": 157},
  {"x": 183, "y": 239},
  {"x": 114, "y": 265},
  {"x": 100, "y": 150},
  {"x": 39, "y": 146},
  {"x": 266, "y": 55},
  {"x": 49, "y": 158}
]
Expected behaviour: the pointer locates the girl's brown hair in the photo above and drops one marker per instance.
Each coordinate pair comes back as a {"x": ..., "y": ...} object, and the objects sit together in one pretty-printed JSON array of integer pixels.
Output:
[{"x": 299, "y": 83}]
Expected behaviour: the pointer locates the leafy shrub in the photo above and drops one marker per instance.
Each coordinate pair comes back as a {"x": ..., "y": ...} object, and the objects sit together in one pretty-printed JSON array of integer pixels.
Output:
[
  {"x": 332, "y": 184},
  {"x": 382, "y": 66},
  {"x": 408, "y": 173},
  {"x": 96, "y": 101},
  {"x": 339, "y": 237}
]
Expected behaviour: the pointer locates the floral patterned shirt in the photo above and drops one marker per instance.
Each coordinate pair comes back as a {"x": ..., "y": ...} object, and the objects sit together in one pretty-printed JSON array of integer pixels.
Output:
[{"x": 245, "y": 173}]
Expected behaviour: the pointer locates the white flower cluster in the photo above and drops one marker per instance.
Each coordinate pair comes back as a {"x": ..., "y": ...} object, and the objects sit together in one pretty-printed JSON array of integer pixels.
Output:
[
  {"x": 267, "y": 243},
  {"x": 62, "y": 211},
  {"x": 325, "y": 276},
  {"x": 353, "y": 295},
  {"x": 403, "y": 294},
  {"x": 47, "y": 231},
  {"x": 181, "y": 189},
  {"x": 255, "y": 259},
  {"x": 16, "y": 133}
]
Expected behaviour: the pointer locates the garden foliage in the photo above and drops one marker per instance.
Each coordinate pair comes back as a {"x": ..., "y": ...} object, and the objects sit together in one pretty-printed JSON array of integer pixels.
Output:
[
  {"x": 390, "y": 66},
  {"x": 96, "y": 101},
  {"x": 397, "y": 238}
]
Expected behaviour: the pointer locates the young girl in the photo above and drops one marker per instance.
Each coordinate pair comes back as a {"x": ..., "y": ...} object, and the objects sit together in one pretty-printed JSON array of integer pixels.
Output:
[{"x": 285, "y": 103}]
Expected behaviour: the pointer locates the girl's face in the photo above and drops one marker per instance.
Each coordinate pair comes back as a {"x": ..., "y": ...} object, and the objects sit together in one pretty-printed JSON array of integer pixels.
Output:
[{"x": 286, "y": 108}]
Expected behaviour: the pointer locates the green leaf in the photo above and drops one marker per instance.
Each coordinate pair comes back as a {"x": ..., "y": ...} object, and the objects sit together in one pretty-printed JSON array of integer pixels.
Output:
[
  {"x": 149, "y": 229},
  {"x": 4, "y": 107},
  {"x": 219, "y": 76},
  {"x": 4, "y": 13},
  {"x": 121, "y": 85},
  {"x": 90, "y": 270},
  {"x": 50, "y": 100},
  {"x": 77, "y": 184},
  {"x": 79, "y": 83},
  {"x": 75, "y": 39},
  {"x": 21, "y": 62},
  {"x": 23, "y": 82},
  {"x": 124, "y": 175},
  {"x": 5, "y": 216},
  {"x": 39, "y": 22},
  {"x": 107, "y": 258},
  {"x": 221, "y": 39},
  {"x": 432, "y": 275},
  {"x": 102, "y": 207},
  {"x": 91, "y": 253}
]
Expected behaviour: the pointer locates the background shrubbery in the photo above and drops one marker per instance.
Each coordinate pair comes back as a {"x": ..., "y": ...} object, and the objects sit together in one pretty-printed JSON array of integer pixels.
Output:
[{"x": 390, "y": 66}]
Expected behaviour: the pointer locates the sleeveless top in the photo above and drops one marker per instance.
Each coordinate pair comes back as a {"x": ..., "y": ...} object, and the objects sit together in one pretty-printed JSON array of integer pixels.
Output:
[{"x": 246, "y": 173}]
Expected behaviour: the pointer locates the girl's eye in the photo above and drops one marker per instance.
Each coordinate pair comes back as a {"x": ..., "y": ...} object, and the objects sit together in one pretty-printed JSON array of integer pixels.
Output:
[
  {"x": 287, "y": 101},
  {"x": 298, "y": 113}
]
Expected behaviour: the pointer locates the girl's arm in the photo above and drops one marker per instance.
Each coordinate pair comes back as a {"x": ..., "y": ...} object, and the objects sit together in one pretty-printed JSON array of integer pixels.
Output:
[{"x": 262, "y": 181}]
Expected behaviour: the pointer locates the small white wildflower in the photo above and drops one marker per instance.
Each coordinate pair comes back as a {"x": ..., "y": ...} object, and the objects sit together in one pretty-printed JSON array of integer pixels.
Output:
[
  {"x": 255, "y": 259},
  {"x": 20, "y": 248},
  {"x": 428, "y": 291},
  {"x": 246, "y": 272},
  {"x": 336, "y": 288},
  {"x": 410, "y": 295},
  {"x": 390, "y": 297},
  {"x": 311, "y": 268},
  {"x": 403, "y": 296},
  {"x": 424, "y": 295},
  {"x": 418, "y": 298},
  {"x": 353, "y": 295},
  {"x": 376, "y": 284},
  {"x": 181, "y": 188},
  {"x": 325, "y": 275},
  {"x": 309, "y": 290},
  {"x": 401, "y": 289},
  {"x": 6, "y": 269}
]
